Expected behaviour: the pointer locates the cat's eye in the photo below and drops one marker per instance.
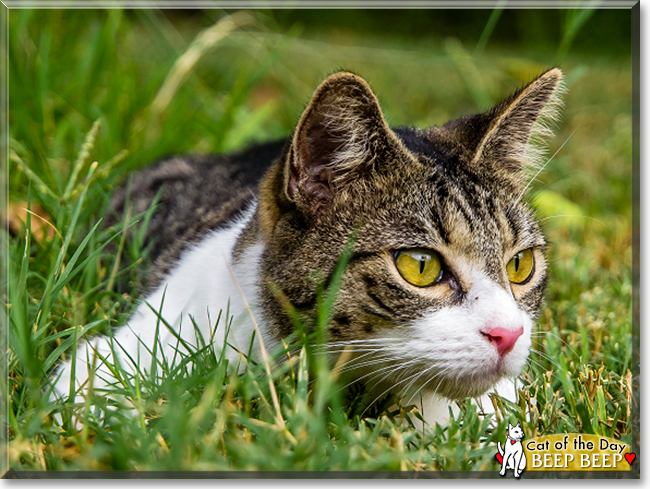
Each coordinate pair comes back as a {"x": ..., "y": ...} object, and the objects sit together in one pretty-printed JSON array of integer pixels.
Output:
[
  {"x": 419, "y": 267},
  {"x": 521, "y": 267}
]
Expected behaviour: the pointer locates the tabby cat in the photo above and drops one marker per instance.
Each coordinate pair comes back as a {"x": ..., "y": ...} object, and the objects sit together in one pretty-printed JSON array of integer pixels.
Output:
[{"x": 447, "y": 271}]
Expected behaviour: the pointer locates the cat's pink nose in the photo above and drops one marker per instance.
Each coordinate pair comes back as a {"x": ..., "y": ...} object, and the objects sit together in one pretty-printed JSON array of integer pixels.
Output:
[{"x": 503, "y": 339}]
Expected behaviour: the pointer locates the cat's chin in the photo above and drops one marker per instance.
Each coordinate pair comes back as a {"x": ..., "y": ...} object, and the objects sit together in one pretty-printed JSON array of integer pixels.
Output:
[
  {"x": 461, "y": 385},
  {"x": 461, "y": 389}
]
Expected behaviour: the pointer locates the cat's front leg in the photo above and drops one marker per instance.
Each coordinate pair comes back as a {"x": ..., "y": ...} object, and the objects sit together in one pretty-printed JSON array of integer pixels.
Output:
[
  {"x": 107, "y": 363},
  {"x": 515, "y": 465},
  {"x": 504, "y": 465},
  {"x": 521, "y": 464}
]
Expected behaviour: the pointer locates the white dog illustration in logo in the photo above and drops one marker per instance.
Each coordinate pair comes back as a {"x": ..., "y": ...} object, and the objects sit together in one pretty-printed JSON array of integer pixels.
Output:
[{"x": 511, "y": 455}]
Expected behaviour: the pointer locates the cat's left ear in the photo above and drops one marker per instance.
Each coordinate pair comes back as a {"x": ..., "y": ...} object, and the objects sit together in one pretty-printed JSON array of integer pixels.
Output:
[
  {"x": 514, "y": 130},
  {"x": 341, "y": 137}
]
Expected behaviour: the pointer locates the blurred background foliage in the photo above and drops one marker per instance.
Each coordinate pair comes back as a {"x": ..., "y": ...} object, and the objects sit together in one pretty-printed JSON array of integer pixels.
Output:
[
  {"x": 159, "y": 82},
  {"x": 69, "y": 68}
]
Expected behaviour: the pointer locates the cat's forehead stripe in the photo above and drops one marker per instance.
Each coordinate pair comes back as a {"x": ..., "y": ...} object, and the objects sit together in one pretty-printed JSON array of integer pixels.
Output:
[{"x": 484, "y": 210}]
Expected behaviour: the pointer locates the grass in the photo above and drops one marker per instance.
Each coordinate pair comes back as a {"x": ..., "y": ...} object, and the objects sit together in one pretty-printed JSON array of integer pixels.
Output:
[{"x": 130, "y": 87}]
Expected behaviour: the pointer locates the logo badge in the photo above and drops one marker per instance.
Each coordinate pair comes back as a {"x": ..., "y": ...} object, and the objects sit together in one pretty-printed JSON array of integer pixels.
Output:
[{"x": 577, "y": 452}]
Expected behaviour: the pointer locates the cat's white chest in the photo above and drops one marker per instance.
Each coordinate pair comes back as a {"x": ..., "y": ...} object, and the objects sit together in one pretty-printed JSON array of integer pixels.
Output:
[
  {"x": 202, "y": 295},
  {"x": 204, "y": 291}
]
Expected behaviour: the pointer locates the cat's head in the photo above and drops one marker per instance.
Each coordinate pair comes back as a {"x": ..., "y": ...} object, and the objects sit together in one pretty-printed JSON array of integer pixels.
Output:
[
  {"x": 448, "y": 269},
  {"x": 515, "y": 432}
]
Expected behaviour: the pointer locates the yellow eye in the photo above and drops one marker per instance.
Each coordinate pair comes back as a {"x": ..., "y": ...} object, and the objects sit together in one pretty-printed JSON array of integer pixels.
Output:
[
  {"x": 418, "y": 267},
  {"x": 521, "y": 267}
]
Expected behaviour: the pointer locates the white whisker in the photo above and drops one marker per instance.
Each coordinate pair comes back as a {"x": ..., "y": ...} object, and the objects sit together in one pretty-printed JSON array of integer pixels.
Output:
[
  {"x": 572, "y": 215},
  {"x": 521, "y": 194},
  {"x": 421, "y": 388}
]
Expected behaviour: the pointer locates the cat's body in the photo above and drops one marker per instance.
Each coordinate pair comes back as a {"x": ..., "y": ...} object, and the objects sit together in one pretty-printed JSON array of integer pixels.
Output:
[
  {"x": 199, "y": 194},
  {"x": 430, "y": 301},
  {"x": 512, "y": 451}
]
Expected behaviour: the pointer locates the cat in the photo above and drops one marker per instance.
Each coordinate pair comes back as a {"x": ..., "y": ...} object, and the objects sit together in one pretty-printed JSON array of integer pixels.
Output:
[
  {"x": 512, "y": 453},
  {"x": 447, "y": 271}
]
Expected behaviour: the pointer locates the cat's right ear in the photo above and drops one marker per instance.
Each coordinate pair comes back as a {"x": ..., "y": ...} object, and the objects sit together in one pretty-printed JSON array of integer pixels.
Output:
[{"x": 340, "y": 137}]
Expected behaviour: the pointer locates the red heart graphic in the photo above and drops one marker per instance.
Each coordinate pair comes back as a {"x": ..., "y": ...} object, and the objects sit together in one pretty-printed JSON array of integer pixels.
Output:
[
  {"x": 512, "y": 442},
  {"x": 630, "y": 457},
  {"x": 499, "y": 458}
]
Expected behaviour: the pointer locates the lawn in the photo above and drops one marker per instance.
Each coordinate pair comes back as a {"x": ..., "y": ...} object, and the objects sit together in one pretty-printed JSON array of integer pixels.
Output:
[{"x": 95, "y": 94}]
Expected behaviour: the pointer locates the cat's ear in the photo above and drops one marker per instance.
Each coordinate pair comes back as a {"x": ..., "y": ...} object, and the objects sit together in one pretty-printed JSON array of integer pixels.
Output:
[
  {"x": 340, "y": 137},
  {"x": 514, "y": 132}
]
